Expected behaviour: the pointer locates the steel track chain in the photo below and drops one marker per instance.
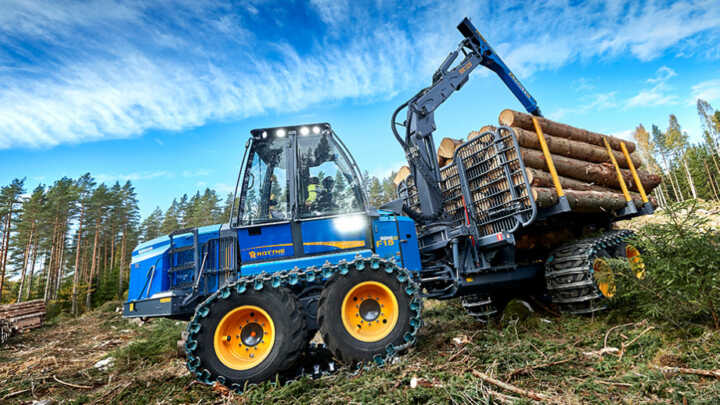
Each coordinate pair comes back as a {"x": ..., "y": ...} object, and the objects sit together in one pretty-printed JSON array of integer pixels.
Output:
[
  {"x": 569, "y": 273},
  {"x": 298, "y": 277},
  {"x": 480, "y": 307}
]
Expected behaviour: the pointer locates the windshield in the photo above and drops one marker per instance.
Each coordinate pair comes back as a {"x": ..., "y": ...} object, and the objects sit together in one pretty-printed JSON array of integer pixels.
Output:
[
  {"x": 326, "y": 183},
  {"x": 265, "y": 185}
]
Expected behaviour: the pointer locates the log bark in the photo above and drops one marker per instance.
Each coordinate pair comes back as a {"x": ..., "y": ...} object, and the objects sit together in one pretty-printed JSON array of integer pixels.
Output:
[
  {"x": 574, "y": 149},
  {"x": 541, "y": 178},
  {"x": 599, "y": 173},
  {"x": 513, "y": 118},
  {"x": 401, "y": 175},
  {"x": 583, "y": 201}
]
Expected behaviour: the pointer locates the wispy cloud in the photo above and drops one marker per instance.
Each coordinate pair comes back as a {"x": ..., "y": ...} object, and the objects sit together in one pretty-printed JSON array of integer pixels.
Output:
[
  {"x": 590, "y": 103},
  {"x": 77, "y": 72},
  {"x": 134, "y": 176},
  {"x": 659, "y": 94},
  {"x": 708, "y": 90}
]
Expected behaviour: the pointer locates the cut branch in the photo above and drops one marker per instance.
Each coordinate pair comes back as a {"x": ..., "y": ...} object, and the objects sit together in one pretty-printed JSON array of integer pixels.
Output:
[{"x": 508, "y": 387}]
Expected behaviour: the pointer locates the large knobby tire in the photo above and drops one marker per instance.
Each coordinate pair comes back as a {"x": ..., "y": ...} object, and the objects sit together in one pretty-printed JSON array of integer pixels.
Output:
[
  {"x": 266, "y": 324},
  {"x": 380, "y": 306}
]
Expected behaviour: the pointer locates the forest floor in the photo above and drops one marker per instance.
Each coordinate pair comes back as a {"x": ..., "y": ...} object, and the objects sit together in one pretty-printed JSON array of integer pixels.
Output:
[{"x": 558, "y": 357}]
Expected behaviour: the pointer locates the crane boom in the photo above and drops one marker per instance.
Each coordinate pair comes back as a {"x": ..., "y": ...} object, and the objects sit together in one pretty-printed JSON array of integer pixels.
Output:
[{"x": 420, "y": 121}]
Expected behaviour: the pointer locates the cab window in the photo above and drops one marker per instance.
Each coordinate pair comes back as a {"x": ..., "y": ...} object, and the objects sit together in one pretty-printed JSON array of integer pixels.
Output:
[
  {"x": 265, "y": 186},
  {"x": 326, "y": 183}
]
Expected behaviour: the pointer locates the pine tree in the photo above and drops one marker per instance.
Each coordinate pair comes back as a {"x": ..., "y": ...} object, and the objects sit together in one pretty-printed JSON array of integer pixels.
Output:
[
  {"x": 9, "y": 196},
  {"x": 171, "y": 221},
  {"x": 151, "y": 226},
  {"x": 84, "y": 185},
  {"x": 375, "y": 192}
]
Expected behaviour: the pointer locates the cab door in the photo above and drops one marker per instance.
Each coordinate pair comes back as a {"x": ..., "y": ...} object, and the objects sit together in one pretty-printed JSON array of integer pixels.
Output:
[
  {"x": 330, "y": 203},
  {"x": 264, "y": 231}
]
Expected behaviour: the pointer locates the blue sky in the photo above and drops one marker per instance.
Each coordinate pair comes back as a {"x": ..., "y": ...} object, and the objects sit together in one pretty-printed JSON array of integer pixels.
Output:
[{"x": 165, "y": 93}]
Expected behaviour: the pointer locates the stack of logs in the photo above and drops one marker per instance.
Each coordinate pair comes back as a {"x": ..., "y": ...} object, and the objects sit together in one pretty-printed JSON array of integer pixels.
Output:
[
  {"x": 24, "y": 315},
  {"x": 581, "y": 159}
]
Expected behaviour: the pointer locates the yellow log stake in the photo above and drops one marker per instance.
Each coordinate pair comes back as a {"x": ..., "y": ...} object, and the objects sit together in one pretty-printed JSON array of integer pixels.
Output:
[
  {"x": 548, "y": 158},
  {"x": 621, "y": 180},
  {"x": 638, "y": 183}
]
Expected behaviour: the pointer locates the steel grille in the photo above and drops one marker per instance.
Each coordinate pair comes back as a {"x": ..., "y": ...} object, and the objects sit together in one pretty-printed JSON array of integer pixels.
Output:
[{"x": 496, "y": 182}]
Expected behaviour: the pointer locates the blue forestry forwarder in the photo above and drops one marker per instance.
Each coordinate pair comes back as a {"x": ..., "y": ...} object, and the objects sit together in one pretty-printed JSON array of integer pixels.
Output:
[{"x": 304, "y": 252}]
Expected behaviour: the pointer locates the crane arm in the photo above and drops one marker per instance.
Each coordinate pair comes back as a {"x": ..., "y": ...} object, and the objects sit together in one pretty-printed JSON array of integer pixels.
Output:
[{"x": 420, "y": 122}]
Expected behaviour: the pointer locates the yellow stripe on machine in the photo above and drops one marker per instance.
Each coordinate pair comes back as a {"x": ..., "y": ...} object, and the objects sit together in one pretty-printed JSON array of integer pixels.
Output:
[
  {"x": 341, "y": 244},
  {"x": 164, "y": 300}
]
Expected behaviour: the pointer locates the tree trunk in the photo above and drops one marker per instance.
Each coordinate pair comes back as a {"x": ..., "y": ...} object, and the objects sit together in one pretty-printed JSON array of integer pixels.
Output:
[
  {"x": 518, "y": 119},
  {"x": 6, "y": 245},
  {"x": 677, "y": 184},
  {"x": 88, "y": 296},
  {"x": 574, "y": 149},
  {"x": 711, "y": 180},
  {"x": 401, "y": 175},
  {"x": 48, "y": 268},
  {"x": 32, "y": 269},
  {"x": 598, "y": 173},
  {"x": 76, "y": 273},
  {"x": 717, "y": 167},
  {"x": 26, "y": 258},
  {"x": 447, "y": 147},
  {"x": 60, "y": 272},
  {"x": 690, "y": 179},
  {"x": 672, "y": 185},
  {"x": 582, "y": 201},
  {"x": 543, "y": 179},
  {"x": 474, "y": 134},
  {"x": 112, "y": 248},
  {"x": 104, "y": 257},
  {"x": 121, "y": 272}
]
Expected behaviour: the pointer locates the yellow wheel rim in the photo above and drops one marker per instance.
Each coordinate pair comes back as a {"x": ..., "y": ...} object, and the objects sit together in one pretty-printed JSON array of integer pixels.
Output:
[
  {"x": 604, "y": 277},
  {"x": 637, "y": 265},
  {"x": 244, "y": 337},
  {"x": 369, "y": 311}
]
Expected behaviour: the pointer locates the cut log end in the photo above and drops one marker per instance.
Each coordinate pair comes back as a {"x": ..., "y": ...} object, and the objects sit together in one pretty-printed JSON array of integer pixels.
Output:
[{"x": 401, "y": 175}]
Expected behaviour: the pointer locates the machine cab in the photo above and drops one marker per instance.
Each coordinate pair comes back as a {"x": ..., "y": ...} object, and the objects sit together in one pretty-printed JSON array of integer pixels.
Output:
[{"x": 300, "y": 194}]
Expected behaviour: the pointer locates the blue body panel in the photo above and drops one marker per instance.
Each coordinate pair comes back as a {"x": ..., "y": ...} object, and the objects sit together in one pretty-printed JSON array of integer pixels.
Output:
[
  {"x": 395, "y": 236},
  {"x": 334, "y": 234},
  {"x": 269, "y": 248},
  {"x": 154, "y": 253},
  {"x": 265, "y": 242}
]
